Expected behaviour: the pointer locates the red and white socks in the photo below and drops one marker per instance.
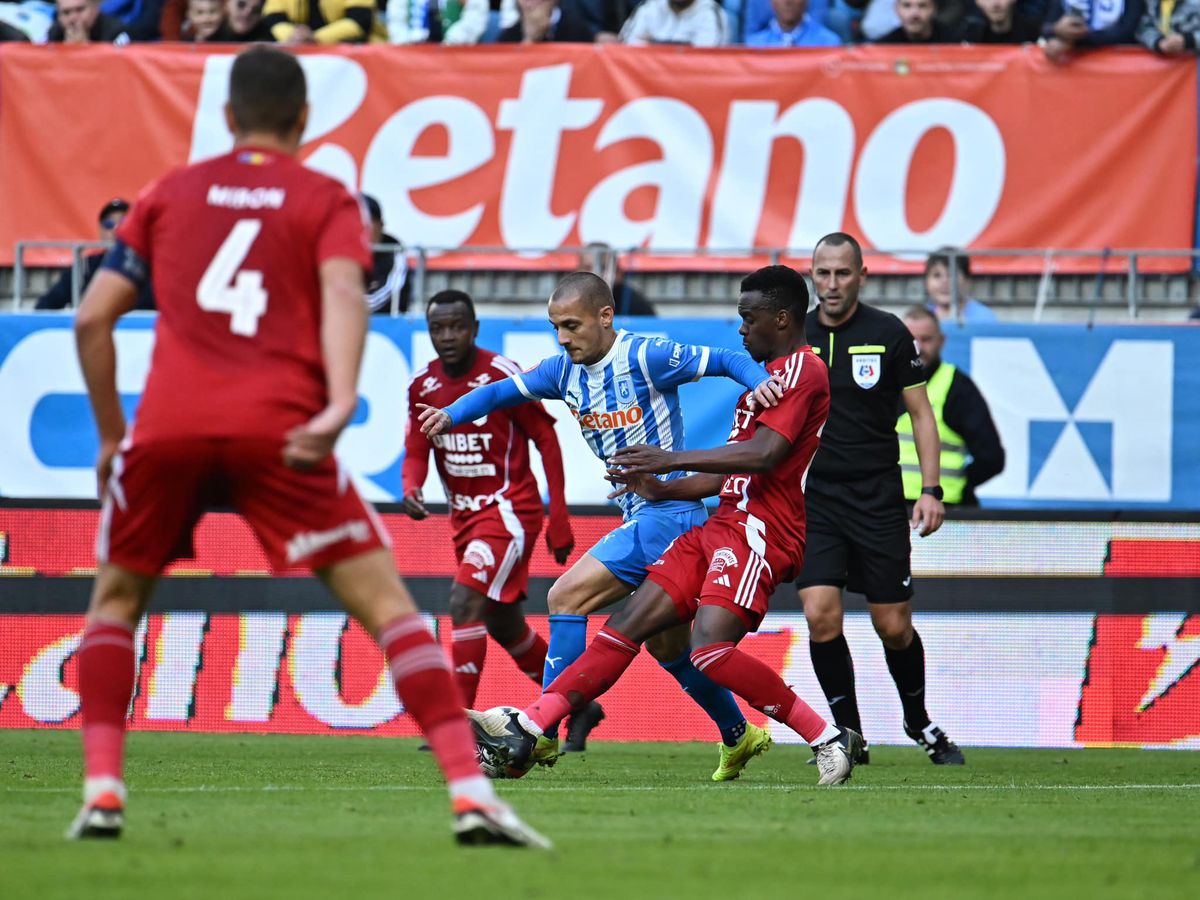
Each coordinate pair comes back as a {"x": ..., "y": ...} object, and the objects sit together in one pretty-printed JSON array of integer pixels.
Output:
[{"x": 106, "y": 674}]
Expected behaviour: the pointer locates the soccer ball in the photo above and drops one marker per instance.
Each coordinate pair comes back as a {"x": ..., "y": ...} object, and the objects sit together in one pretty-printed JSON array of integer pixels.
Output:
[{"x": 491, "y": 730}]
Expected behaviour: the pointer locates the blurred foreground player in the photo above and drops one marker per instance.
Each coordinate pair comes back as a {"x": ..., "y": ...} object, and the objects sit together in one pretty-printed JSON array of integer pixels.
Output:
[
  {"x": 258, "y": 265},
  {"x": 721, "y": 575},
  {"x": 495, "y": 503},
  {"x": 622, "y": 389}
]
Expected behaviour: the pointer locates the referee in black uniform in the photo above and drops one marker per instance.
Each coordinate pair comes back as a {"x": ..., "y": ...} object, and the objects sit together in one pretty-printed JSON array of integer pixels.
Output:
[{"x": 858, "y": 523}]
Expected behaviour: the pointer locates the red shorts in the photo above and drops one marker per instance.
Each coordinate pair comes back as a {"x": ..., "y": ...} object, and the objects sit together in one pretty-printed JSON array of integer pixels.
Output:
[
  {"x": 160, "y": 489},
  {"x": 714, "y": 565},
  {"x": 493, "y": 556}
]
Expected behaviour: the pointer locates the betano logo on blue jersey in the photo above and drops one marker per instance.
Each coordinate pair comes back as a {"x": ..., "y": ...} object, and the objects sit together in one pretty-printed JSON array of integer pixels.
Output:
[{"x": 607, "y": 421}]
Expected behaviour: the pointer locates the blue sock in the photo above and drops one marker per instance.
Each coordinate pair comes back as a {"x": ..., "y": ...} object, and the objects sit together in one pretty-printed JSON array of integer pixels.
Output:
[
  {"x": 715, "y": 700},
  {"x": 568, "y": 640}
]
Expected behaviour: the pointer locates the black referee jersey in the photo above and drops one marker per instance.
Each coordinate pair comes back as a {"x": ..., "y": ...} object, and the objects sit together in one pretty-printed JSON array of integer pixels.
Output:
[{"x": 872, "y": 358}]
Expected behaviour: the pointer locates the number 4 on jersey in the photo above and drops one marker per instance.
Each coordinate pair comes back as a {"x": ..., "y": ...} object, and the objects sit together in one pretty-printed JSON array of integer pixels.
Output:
[{"x": 226, "y": 289}]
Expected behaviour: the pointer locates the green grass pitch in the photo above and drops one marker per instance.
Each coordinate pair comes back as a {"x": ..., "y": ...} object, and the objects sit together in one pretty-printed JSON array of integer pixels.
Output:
[{"x": 236, "y": 816}]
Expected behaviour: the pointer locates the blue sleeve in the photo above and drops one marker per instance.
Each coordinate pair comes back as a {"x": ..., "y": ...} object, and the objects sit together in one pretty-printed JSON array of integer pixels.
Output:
[
  {"x": 540, "y": 383},
  {"x": 124, "y": 260},
  {"x": 738, "y": 366}
]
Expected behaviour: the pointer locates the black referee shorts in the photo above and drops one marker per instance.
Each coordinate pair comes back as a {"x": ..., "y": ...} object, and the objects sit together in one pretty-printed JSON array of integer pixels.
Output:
[{"x": 858, "y": 538}]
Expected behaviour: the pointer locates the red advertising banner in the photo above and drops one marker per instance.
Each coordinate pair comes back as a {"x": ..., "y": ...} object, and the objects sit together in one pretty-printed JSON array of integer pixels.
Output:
[
  {"x": 309, "y": 674},
  {"x": 1005, "y": 680},
  {"x": 665, "y": 149}
]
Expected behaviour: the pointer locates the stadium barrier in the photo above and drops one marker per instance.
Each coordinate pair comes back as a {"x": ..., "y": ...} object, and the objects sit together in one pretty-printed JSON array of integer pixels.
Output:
[
  {"x": 1044, "y": 633},
  {"x": 662, "y": 148},
  {"x": 1099, "y": 418}
]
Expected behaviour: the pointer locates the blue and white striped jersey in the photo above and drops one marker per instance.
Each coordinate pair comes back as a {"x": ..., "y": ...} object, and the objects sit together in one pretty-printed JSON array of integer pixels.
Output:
[{"x": 631, "y": 396}]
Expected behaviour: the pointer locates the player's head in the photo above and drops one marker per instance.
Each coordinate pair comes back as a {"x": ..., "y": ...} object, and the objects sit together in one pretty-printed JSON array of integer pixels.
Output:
[
  {"x": 581, "y": 311},
  {"x": 268, "y": 97},
  {"x": 772, "y": 306},
  {"x": 838, "y": 273},
  {"x": 923, "y": 326},
  {"x": 453, "y": 326},
  {"x": 937, "y": 276}
]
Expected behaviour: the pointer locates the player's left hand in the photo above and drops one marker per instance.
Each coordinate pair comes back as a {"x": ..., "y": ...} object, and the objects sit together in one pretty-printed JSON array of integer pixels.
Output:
[
  {"x": 560, "y": 554},
  {"x": 311, "y": 442},
  {"x": 643, "y": 485},
  {"x": 928, "y": 515},
  {"x": 641, "y": 458},
  {"x": 433, "y": 421},
  {"x": 768, "y": 393}
]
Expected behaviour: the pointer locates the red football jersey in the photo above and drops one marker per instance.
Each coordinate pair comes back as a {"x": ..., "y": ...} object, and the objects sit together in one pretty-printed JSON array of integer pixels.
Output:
[
  {"x": 234, "y": 246},
  {"x": 777, "y": 497},
  {"x": 484, "y": 465}
]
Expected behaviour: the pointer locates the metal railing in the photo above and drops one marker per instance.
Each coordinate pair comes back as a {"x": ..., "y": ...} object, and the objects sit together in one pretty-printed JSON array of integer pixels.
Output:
[{"x": 607, "y": 261}]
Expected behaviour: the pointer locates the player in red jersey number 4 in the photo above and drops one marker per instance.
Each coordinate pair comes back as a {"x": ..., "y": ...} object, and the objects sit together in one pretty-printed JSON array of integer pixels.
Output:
[
  {"x": 495, "y": 504},
  {"x": 258, "y": 266},
  {"x": 720, "y": 575}
]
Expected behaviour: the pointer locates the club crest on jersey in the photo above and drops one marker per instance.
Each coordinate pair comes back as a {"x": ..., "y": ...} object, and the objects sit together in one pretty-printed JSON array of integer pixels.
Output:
[
  {"x": 429, "y": 385},
  {"x": 865, "y": 367},
  {"x": 721, "y": 560},
  {"x": 479, "y": 380},
  {"x": 479, "y": 555},
  {"x": 624, "y": 388}
]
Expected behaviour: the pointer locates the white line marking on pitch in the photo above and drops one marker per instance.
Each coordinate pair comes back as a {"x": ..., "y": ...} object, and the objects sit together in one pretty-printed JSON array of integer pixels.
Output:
[{"x": 621, "y": 789}]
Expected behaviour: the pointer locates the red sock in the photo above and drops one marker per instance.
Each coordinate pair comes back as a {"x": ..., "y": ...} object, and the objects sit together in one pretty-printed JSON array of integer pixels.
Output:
[
  {"x": 428, "y": 693},
  {"x": 468, "y": 647},
  {"x": 529, "y": 653},
  {"x": 759, "y": 685},
  {"x": 106, "y": 672},
  {"x": 606, "y": 660}
]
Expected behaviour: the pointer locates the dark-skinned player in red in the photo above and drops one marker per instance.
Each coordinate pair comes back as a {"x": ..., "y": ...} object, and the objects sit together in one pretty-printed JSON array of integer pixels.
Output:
[
  {"x": 495, "y": 504},
  {"x": 719, "y": 575}
]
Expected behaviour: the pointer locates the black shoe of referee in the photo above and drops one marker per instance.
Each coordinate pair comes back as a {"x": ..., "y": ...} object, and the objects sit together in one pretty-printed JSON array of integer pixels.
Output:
[
  {"x": 941, "y": 750},
  {"x": 580, "y": 725}
]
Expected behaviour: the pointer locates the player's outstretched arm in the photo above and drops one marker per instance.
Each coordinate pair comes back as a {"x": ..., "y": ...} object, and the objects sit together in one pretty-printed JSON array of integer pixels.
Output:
[
  {"x": 343, "y": 334},
  {"x": 766, "y": 388},
  {"x": 539, "y": 383},
  {"x": 109, "y": 296},
  {"x": 760, "y": 453},
  {"x": 693, "y": 487}
]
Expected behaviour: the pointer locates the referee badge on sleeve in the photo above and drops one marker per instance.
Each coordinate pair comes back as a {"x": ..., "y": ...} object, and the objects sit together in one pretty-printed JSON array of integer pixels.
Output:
[{"x": 865, "y": 367}]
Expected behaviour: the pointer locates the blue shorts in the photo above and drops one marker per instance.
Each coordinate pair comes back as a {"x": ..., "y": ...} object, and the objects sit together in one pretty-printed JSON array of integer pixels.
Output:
[{"x": 627, "y": 551}]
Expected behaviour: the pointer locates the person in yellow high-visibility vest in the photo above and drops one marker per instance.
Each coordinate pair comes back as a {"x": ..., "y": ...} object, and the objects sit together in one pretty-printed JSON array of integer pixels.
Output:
[{"x": 971, "y": 448}]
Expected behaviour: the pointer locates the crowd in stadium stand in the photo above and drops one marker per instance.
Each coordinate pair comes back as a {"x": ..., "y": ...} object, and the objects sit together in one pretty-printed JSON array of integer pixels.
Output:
[{"x": 1168, "y": 27}]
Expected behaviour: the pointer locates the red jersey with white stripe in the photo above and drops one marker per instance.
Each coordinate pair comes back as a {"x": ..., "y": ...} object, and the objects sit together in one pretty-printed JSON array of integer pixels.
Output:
[
  {"x": 484, "y": 465},
  {"x": 234, "y": 245},
  {"x": 771, "y": 504}
]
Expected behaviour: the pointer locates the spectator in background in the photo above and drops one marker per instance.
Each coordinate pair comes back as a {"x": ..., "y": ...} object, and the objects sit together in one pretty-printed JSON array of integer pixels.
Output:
[
  {"x": 454, "y": 22},
  {"x": 998, "y": 22},
  {"x": 82, "y": 22},
  {"x": 1083, "y": 24},
  {"x": 1170, "y": 27},
  {"x": 59, "y": 295},
  {"x": 700, "y": 23},
  {"x": 389, "y": 284},
  {"x": 919, "y": 25},
  {"x": 938, "y": 287},
  {"x": 839, "y": 16},
  {"x": 141, "y": 17},
  {"x": 243, "y": 23},
  {"x": 971, "y": 448},
  {"x": 204, "y": 20},
  {"x": 542, "y": 21},
  {"x": 791, "y": 26},
  {"x": 328, "y": 22},
  {"x": 601, "y": 259}
]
